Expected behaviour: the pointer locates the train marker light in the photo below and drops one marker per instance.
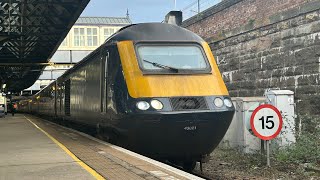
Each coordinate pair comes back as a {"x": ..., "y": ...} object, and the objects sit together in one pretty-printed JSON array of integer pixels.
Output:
[
  {"x": 156, "y": 104},
  {"x": 227, "y": 102},
  {"x": 143, "y": 105},
  {"x": 218, "y": 102}
]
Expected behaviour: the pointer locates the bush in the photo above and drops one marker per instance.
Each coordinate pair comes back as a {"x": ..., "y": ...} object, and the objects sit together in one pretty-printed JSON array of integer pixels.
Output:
[{"x": 307, "y": 147}]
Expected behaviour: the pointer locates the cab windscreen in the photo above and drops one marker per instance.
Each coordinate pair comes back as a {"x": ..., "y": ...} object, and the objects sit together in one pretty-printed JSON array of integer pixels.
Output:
[{"x": 172, "y": 58}]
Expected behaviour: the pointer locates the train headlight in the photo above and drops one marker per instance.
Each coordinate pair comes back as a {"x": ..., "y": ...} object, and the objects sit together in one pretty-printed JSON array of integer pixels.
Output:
[
  {"x": 156, "y": 104},
  {"x": 228, "y": 102},
  {"x": 218, "y": 102},
  {"x": 143, "y": 105}
]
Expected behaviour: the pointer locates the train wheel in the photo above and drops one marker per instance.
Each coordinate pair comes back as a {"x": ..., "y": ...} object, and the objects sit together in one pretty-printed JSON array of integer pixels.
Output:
[{"x": 189, "y": 165}]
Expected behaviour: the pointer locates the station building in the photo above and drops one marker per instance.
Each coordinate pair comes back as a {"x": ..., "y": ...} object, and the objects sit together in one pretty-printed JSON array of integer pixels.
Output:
[{"x": 87, "y": 34}]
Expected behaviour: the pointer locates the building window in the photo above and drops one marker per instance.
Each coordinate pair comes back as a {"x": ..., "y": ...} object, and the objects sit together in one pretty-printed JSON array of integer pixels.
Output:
[
  {"x": 79, "y": 36},
  {"x": 108, "y": 32},
  {"x": 92, "y": 37},
  {"x": 85, "y": 37},
  {"x": 65, "y": 42}
]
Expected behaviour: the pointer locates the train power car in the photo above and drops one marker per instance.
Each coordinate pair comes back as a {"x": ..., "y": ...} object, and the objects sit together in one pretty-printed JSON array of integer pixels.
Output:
[{"x": 153, "y": 88}]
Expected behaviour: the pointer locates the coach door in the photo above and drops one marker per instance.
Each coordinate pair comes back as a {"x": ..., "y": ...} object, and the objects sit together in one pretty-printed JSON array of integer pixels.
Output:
[
  {"x": 104, "y": 75},
  {"x": 60, "y": 99},
  {"x": 67, "y": 98}
]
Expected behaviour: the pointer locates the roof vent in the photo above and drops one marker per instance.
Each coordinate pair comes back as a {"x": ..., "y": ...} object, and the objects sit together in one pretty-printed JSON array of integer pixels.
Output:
[{"x": 174, "y": 17}]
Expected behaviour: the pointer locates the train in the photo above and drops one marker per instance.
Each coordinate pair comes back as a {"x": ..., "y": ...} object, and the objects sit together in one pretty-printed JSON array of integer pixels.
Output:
[{"x": 153, "y": 88}]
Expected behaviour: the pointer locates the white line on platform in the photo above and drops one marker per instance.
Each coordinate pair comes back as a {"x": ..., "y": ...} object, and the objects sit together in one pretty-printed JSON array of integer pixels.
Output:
[{"x": 151, "y": 161}]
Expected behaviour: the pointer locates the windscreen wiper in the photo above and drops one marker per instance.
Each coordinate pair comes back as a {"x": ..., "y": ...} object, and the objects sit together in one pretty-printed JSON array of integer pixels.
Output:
[{"x": 163, "y": 66}]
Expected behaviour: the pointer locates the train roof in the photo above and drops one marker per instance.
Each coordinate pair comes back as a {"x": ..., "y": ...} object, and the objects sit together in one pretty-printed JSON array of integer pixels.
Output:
[
  {"x": 154, "y": 32},
  {"x": 41, "y": 90}
]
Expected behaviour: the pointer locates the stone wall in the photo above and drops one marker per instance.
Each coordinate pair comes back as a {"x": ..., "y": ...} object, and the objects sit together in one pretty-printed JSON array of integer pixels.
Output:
[{"x": 261, "y": 44}]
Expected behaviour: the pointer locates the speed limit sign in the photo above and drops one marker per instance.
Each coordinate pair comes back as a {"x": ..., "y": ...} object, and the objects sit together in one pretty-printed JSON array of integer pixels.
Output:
[{"x": 266, "y": 122}]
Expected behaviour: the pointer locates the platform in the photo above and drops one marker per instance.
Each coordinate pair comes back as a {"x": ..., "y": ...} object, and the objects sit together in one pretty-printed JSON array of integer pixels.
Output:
[{"x": 33, "y": 148}]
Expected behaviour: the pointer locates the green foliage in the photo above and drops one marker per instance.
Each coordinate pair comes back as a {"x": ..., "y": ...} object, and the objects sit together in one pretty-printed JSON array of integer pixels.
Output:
[
  {"x": 307, "y": 147},
  {"x": 251, "y": 22}
]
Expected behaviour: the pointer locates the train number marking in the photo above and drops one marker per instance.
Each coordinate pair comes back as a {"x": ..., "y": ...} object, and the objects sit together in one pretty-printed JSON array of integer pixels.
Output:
[{"x": 190, "y": 128}]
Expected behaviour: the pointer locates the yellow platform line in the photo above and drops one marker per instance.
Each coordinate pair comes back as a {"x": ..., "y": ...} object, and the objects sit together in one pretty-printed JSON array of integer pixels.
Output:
[{"x": 81, "y": 163}]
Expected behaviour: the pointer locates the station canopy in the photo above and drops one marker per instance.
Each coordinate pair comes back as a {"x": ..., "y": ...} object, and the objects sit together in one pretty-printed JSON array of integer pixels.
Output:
[{"x": 30, "y": 33}]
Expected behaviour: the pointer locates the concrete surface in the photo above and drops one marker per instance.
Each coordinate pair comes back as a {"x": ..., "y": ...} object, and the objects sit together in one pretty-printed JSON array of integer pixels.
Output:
[{"x": 27, "y": 153}]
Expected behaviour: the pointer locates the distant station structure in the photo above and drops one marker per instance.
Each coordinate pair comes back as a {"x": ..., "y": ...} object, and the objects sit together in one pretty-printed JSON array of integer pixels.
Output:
[
  {"x": 86, "y": 35},
  {"x": 30, "y": 32}
]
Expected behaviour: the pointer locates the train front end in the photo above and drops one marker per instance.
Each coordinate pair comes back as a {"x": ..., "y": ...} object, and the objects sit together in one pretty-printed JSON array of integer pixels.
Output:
[{"x": 178, "y": 106}]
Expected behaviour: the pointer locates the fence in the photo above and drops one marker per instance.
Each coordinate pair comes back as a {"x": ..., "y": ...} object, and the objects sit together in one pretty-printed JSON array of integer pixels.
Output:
[{"x": 198, "y": 6}]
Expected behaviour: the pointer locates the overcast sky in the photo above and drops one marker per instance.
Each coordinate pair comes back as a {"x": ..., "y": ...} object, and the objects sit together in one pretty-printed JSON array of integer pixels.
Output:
[{"x": 139, "y": 10}]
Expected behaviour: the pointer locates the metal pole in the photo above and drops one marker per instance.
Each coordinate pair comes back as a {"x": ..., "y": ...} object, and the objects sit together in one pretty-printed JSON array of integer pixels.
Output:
[
  {"x": 262, "y": 152},
  {"x": 198, "y": 6},
  {"x": 268, "y": 154},
  {"x": 175, "y": 4}
]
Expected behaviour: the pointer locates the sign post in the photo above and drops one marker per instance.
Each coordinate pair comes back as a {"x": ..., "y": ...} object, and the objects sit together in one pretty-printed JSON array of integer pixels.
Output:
[{"x": 266, "y": 124}]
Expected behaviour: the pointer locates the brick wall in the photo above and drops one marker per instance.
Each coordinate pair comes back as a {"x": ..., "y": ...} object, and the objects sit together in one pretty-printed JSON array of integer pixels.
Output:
[{"x": 262, "y": 44}]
